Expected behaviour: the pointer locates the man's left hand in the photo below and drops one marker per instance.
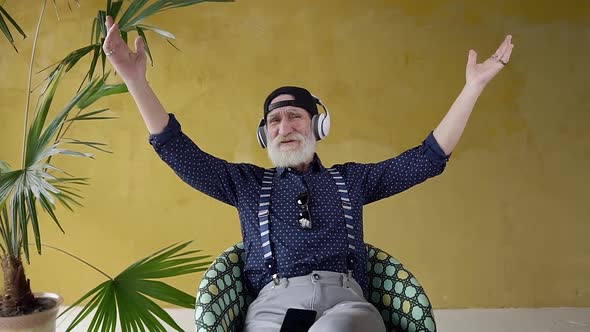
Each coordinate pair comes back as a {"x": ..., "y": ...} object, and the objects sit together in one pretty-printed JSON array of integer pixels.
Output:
[{"x": 480, "y": 74}]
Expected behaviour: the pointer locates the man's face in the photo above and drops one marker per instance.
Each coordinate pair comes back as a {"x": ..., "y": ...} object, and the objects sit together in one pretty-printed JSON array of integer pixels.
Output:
[{"x": 291, "y": 141}]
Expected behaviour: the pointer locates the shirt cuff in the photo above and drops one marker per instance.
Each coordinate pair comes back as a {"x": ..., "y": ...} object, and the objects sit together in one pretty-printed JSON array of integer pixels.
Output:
[
  {"x": 171, "y": 130},
  {"x": 432, "y": 150}
]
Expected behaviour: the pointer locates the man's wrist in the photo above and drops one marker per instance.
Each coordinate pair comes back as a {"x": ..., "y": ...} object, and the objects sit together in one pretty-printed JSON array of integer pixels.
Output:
[
  {"x": 138, "y": 83},
  {"x": 473, "y": 88}
]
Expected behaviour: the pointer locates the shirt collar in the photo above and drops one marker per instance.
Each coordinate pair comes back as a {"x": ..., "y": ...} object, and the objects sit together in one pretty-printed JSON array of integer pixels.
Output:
[{"x": 316, "y": 166}]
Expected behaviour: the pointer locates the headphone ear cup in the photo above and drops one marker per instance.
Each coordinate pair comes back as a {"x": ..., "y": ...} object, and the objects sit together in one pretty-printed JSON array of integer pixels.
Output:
[
  {"x": 261, "y": 136},
  {"x": 315, "y": 123},
  {"x": 325, "y": 125}
]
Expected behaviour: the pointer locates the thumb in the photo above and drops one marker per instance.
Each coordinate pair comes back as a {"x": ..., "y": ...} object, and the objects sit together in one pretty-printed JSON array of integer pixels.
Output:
[{"x": 471, "y": 58}]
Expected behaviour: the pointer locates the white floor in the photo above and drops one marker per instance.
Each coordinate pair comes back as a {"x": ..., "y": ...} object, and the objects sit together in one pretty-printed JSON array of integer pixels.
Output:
[{"x": 472, "y": 320}]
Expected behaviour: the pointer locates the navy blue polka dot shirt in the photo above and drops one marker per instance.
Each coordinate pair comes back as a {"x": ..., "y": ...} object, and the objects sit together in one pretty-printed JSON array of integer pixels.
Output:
[{"x": 298, "y": 251}]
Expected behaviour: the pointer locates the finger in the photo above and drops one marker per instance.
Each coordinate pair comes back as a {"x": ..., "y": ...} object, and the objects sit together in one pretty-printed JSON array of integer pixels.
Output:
[
  {"x": 506, "y": 56},
  {"x": 472, "y": 58},
  {"x": 503, "y": 47},
  {"x": 109, "y": 22},
  {"x": 139, "y": 47},
  {"x": 113, "y": 39}
]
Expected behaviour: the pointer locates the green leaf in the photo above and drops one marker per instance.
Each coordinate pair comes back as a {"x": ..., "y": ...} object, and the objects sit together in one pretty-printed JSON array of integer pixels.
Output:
[
  {"x": 133, "y": 291},
  {"x": 89, "y": 115},
  {"x": 37, "y": 142},
  {"x": 98, "y": 293},
  {"x": 93, "y": 145},
  {"x": 6, "y": 231},
  {"x": 18, "y": 28},
  {"x": 30, "y": 202},
  {"x": 169, "y": 42},
  {"x": 41, "y": 115},
  {"x": 6, "y": 31},
  {"x": 93, "y": 63},
  {"x": 93, "y": 34},
  {"x": 71, "y": 59},
  {"x": 131, "y": 11},
  {"x": 162, "y": 5},
  {"x": 8, "y": 182},
  {"x": 22, "y": 220},
  {"x": 4, "y": 167},
  {"x": 157, "y": 30},
  {"x": 101, "y": 90},
  {"x": 115, "y": 9},
  {"x": 49, "y": 209},
  {"x": 102, "y": 18},
  {"x": 166, "y": 293}
]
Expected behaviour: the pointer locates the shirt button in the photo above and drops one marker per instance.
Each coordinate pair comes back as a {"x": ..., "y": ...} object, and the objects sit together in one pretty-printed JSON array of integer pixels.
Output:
[{"x": 316, "y": 276}]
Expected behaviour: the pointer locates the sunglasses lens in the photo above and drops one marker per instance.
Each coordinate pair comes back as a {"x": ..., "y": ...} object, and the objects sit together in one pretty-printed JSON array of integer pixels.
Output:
[
  {"x": 304, "y": 214},
  {"x": 302, "y": 199}
]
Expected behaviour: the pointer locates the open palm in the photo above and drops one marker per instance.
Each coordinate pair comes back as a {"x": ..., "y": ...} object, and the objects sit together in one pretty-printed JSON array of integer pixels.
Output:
[
  {"x": 131, "y": 66},
  {"x": 480, "y": 74}
]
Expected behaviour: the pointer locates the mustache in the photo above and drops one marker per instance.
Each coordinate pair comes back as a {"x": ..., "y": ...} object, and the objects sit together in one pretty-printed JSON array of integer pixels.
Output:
[{"x": 290, "y": 137}]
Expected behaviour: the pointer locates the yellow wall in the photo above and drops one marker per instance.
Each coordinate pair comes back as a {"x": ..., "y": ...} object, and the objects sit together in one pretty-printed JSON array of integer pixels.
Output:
[{"x": 506, "y": 225}]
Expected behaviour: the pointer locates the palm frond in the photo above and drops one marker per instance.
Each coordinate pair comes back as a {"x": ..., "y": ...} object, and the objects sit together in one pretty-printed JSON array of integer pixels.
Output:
[
  {"x": 4, "y": 167},
  {"x": 128, "y": 297},
  {"x": 114, "y": 8},
  {"x": 132, "y": 16},
  {"x": 89, "y": 116},
  {"x": 101, "y": 90},
  {"x": 6, "y": 30},
  {"x": 159, "y": 6},
  {"x": 93, "y": 145},
  {"x": 21, "y": 189},
  {"x": 39, "y": 180},
  {"x": 157, "y": 30}
]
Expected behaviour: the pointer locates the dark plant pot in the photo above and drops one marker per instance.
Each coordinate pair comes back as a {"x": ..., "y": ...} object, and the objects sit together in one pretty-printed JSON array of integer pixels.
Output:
[{"x": 42, "y": 321}]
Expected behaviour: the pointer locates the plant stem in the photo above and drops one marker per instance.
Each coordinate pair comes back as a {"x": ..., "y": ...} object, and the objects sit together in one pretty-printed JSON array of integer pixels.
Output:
[
  {"x": 79, "y": 259},
  {"x": 29, "y": 83}
]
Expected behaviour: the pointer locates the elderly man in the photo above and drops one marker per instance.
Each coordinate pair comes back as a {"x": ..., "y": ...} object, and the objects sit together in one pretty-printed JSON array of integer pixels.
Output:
[{"x": 301, "y": 222}]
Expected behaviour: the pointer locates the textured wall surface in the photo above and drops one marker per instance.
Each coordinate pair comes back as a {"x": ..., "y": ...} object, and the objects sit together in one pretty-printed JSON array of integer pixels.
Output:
[{"x": 507, "y": 223}]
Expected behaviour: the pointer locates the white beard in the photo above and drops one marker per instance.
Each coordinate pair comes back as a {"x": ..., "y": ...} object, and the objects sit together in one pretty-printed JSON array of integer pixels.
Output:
[{"x": 292, "y": 158}]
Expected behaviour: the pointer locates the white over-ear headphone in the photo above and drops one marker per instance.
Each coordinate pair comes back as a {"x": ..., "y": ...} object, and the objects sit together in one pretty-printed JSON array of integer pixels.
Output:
[{"x": 320, "y": 125}]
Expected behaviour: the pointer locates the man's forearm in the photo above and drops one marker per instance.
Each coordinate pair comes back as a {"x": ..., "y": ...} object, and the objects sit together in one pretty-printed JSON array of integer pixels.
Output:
[
  {"x": 152, "y": 111},
  {"x": 450, "y": 129}
]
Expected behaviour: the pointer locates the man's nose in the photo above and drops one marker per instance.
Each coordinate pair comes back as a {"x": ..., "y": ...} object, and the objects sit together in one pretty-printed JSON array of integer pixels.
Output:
[{"x": 285, "y": 127}]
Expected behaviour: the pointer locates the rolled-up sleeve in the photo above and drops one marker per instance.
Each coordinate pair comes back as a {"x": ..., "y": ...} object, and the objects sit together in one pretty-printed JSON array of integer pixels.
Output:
[
  {"x": 432, "y": 150},
  {"x": 171, "y": 130}
]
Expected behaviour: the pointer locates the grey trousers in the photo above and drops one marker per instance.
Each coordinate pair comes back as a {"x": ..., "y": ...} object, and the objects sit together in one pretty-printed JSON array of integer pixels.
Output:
[{"x": 338, "y": 300}]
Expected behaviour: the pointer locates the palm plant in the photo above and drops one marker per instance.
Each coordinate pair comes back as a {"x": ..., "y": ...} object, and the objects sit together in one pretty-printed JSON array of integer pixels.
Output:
[{"x": 39, "y": 185}]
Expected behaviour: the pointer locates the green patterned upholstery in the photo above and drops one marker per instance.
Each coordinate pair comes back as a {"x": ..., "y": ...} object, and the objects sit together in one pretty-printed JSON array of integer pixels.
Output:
[{"x": 223, "y": 299}]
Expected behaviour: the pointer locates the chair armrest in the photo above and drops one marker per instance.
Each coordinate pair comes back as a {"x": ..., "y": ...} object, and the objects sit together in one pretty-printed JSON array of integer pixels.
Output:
[
  {"x": 222, "y": 299},
  {"x": 397, "y": 294}
]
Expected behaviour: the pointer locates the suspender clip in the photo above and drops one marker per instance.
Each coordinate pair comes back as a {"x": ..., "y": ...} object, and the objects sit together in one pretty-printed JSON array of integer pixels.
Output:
[{"x": 275, "y": 279}]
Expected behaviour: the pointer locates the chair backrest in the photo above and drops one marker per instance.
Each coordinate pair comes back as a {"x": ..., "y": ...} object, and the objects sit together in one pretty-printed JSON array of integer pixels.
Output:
[
  {"x": 397, "y": 294},
  {"x": 223, "y": 299}
]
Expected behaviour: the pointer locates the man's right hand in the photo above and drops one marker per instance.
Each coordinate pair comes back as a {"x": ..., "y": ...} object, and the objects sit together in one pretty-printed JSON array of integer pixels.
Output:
[{"x": 131, "y": 66}]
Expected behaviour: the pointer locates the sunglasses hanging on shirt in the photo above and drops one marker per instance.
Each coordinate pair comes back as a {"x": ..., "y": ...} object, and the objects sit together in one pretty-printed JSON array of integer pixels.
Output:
[{"x": 304, "y": 215}]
